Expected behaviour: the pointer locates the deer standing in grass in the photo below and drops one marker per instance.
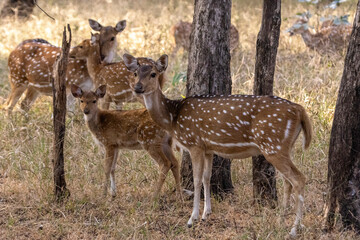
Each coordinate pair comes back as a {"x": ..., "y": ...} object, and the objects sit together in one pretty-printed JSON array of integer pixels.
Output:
[
  {"x": 115, "y": 75},
  {"x": 234, "y": 126},
  {"x": 131, "y": 129},
  {"x": 31, "y": 66},
  {"x": 182, "y": 30}
]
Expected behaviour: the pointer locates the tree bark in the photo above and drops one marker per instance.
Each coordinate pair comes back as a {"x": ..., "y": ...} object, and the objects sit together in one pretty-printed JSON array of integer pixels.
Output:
[
  {"x": 21, "y": 8},
  {"x": 266, "y": 49},
  {"x": 209, "y": 73},
  {"x": 344, "y": 149},
  {"x": 59, "y": 104}
]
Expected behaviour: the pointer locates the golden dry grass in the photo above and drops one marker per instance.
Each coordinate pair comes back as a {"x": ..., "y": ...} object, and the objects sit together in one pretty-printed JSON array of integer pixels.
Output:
[{"x": 27, "y": 209}]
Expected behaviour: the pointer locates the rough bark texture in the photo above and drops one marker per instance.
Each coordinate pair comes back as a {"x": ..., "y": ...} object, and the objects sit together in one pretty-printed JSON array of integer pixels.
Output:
[
  {"x": 209, "y": 73},
  {"x": 59, "y": 103},
  {"x": 20, "y": 8},
  {"x": 266, "y": 49},
  {"x": 344, "y": 150}
]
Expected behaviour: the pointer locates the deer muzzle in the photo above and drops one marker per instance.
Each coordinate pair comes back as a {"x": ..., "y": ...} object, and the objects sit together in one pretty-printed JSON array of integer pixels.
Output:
[{"x": 138, "y": 88}]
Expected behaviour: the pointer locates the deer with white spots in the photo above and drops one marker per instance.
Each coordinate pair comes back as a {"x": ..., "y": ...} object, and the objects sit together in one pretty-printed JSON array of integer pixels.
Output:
[
  {"x": 115, "y": 76},
  {"x": 234, "y": 126},
  {"x": 182, "y": 30},
  {"x": 131, "y": 129},
  {"x": 31, "y": 66}
]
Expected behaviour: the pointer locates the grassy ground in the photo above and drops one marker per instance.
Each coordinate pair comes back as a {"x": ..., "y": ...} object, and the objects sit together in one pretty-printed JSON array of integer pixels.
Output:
[{"x": 27, "y": 209}]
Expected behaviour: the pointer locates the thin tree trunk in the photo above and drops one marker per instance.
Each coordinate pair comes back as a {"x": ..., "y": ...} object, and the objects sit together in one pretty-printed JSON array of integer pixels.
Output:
[
  {"x": 344, "y": 150},
  {"x": 266, "y": 49},
  {"x": 59, "y": 102},
  {"x": 209, "y": 73}
]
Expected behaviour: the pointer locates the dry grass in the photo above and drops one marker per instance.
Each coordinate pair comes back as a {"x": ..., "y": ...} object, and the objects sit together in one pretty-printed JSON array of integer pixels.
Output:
[{"x": 27, "y": 209}]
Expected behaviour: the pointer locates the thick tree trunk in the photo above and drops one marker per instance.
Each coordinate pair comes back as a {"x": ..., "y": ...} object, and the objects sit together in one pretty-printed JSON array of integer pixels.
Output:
[
  {"x": 21, "y": 8},
  {"x": 266, "y": 50},
  {"x": 59, "y": 102},
  {"x": 344, "y": 150},
  {"x": 209, "y": 73}
]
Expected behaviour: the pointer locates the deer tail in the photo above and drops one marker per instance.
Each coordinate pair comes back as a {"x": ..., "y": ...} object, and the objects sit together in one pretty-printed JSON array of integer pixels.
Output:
[{"x": 306, "y": 127}]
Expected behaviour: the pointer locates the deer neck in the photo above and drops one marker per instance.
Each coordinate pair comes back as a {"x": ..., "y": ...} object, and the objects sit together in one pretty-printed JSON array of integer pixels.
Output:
[
  {"x": 162, "y": 110},
  {"x": 94, "y": 62}
]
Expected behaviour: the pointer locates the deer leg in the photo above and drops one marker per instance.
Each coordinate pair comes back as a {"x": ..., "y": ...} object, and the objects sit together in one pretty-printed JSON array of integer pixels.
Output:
[
  {"x": 197, "y": 159},
  {"x": 206, "y": 182},
  {"x": 109, "y": 159},
  {"x": 175, "y": 168},
  {"x": 164, "y": 165},
  {"x": 30, "y": 97},
  {"x": 112, "y": 174},
  {"x": 15, "y": 94},
  {"x": 297, "y": 181}
]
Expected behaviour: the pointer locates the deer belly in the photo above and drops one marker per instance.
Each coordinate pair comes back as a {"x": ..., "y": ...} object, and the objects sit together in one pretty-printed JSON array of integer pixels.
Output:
[{"x": 234, "y": 150}]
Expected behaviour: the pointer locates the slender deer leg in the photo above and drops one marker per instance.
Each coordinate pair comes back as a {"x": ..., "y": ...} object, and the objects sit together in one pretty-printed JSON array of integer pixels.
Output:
[
  {"x": 109, "y": 158},
  {"x": 16, "y": 92},
  {"x": 164, "y": 165},
  {"x": 297, "y": 181},
  {"x": 112, "y": 174},
  {"x": 30, "y": 97},
  {"x": 206, "y": 182},
  {"x": 197, "y": 159},
  {"x": 287, "y": 193},
  {"x": 175, "y": 168}
]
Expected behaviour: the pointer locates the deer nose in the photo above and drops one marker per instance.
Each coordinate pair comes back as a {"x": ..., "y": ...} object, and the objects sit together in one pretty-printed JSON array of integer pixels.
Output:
[
  {"x": 86, "y": 111},
  {"x": 138, "y": 88}
]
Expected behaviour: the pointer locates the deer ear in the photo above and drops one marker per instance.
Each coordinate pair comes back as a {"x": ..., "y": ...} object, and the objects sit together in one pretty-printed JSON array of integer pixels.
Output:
[
  {"x": 76, "y": 91},
  {"x": 162, "y": 63},
  {"x": 95, "y": 25},
  {"x": 120, "y": 26},
  {"x": 130, "y": 62},
  {"x": 100, "y": 92},
  {"x": 94, "y": 38}
]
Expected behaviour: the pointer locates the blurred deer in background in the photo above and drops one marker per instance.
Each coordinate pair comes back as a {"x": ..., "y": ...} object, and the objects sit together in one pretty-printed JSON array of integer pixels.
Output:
[
  {"x": 333, "y": 36},
  {"x": 31, "y": 66},
  {"x": 182, "y": 30},
  {"x": 131, "y": 129},
  {"x": 115, "y": 75},
  {"x": 233, "y": 126}
]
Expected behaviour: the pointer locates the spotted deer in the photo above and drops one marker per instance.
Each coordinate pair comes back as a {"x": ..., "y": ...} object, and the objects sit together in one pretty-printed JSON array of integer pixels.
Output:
[
  {"x": 131, "y": 129},
  {"x": 182, "y": 30},
  {"x": 232, "y": 126},
  {"x": 31, "y": 65},
  {"x": 115, "y": 75},
  {"x": 329, "y": 38}
]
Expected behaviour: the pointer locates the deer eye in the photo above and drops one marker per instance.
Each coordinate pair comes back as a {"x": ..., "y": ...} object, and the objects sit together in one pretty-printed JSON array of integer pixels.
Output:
[
  {"x": 135, "y": 74},
  {"x": 94, "y": 101},
  {"x": 81, "y": 101},
  {"x": 153, "y": 75},
  {"x": 80, "y": 46},
  {"x": 112, "y": 39}
]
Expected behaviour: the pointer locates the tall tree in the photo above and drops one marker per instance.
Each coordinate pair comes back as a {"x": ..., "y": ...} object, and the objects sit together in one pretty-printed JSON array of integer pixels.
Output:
[
  {"x": 209, "y": 73},
  {"x": 21, "y": 8},
  {"x": 266, "y": 50},
  {"x": 344, "y": 150},
  {"x": 59, "y": 104}
]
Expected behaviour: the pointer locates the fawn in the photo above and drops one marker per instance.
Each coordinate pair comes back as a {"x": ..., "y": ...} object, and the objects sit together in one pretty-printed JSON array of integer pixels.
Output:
[
  {"x": 115, "y": 75},
  {"x": 233, "y": 126},
  {"x": 182, "y": 30},
  {"x": 31, "y": 66},
  {"x": 131, "y": 129}
]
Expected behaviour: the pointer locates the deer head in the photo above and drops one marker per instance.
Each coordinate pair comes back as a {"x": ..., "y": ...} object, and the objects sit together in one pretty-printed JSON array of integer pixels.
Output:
[
  {"x": 88, "y": 100},
  {"x": 148, "y": 74},
  {"x": 107, "y": 38}
]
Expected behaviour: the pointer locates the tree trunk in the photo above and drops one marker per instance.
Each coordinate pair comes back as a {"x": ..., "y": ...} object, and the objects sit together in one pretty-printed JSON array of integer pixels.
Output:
[
  {"x": 59, "y": 103},
  {"x": 209, "y": 73},
  {"x": 266, "y": 49},
  {"x": 344, "y": 150},
  {"x": 21, "y": 8}
]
